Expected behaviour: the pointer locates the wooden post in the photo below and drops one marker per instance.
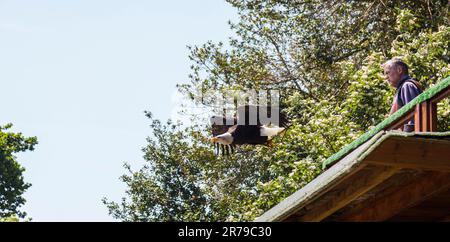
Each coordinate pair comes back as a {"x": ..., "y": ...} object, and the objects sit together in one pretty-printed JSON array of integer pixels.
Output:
[
  {"x": 432, "y": 115},
  {"x": 418, "y": 118},
  {"x": 425, "y": 117}
]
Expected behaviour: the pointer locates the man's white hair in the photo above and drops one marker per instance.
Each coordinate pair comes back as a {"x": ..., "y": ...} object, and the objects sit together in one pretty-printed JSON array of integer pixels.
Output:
[{"x": 396, "y": 62}]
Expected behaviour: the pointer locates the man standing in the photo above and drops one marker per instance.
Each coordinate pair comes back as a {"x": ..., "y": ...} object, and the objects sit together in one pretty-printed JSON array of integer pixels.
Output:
[{"x": 396, "y": 72}]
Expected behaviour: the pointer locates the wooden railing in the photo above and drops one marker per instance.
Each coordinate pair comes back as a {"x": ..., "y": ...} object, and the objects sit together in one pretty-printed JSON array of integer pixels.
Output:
[
  {"x": 423, "y": 110},
  {"x": 424, "y": 114}
]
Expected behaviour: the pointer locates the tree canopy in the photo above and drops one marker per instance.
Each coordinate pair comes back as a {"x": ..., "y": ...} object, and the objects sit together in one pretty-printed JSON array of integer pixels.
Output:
[
  {"x": 12, "y": 184},
  {"x": 325, "y": 57}
]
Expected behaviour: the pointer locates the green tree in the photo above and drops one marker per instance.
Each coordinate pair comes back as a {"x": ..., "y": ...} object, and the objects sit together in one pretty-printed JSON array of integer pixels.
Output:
[
  {"x": 174, "y": 184},
  {"x": 12, "y": 184},
  {"x": 325, "y": 57}
]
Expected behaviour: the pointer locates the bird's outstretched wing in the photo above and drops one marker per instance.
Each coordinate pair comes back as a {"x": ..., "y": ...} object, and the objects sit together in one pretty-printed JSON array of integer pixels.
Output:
[
  {"x": 261, "y": 115},
  {"x": 220, "y": 125}
]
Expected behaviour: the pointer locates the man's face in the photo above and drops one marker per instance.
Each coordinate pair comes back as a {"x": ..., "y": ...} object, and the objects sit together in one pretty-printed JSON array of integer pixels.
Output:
[{"x": 393, "y": 74}]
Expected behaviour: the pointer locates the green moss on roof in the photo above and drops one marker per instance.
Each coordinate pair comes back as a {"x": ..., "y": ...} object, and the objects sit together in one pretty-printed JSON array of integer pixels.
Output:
[{"x": 428, "y": 94}]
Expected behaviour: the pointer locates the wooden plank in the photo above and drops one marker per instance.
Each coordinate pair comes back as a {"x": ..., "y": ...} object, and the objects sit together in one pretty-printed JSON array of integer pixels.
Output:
[
  {"x": 401, "y": 121},
  {"x": 445, "y": 219},
  {"x": 400, "y": 199},
  {"x": 434, "y": 208},
  {"x": 417, "y": 153},
  {"x": 441, "y": 95},
  {"x": 347, "y": 195}
]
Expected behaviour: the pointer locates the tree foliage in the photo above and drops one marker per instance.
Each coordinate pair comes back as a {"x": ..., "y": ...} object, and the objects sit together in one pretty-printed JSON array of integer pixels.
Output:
[
  {"x": 325, "y": 57},
  {"x": 12, "y": 184}
]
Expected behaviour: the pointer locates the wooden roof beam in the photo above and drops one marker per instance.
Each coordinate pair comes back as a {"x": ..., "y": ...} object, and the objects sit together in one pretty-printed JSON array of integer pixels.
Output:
[
  {"x": 404, "y": 197},
  {"x": 348, "y": 194},
  {"x": 419, "y": 154}
]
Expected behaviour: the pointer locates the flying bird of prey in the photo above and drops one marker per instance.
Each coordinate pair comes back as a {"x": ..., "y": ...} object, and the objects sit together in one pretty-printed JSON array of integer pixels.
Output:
[{"x": 247, "y": 127}]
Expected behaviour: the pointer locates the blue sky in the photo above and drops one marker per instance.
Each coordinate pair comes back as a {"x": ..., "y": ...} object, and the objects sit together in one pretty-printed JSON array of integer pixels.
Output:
[{"x": 78, "y": 75}]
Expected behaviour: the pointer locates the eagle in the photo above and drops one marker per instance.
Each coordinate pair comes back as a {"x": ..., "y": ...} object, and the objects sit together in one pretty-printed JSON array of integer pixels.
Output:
[{"x": 246, "y": 127}]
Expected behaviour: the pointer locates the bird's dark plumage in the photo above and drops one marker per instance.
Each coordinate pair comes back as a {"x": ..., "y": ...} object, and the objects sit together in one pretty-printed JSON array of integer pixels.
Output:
[{"x": 245, "y": 128}]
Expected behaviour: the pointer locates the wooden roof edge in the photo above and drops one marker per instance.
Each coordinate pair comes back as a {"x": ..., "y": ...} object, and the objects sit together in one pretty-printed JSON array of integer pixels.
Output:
[
  {"x": 345, "y": 166},
  {"x": 294, "y": 202}
]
